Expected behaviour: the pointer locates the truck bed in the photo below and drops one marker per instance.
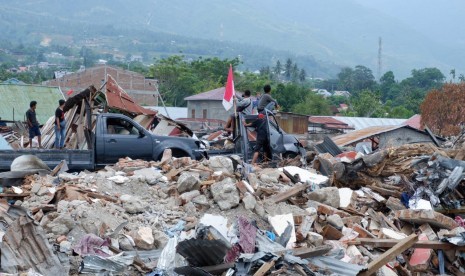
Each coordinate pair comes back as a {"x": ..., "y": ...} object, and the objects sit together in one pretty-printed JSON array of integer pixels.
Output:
[{"x": 76, "y": 159}]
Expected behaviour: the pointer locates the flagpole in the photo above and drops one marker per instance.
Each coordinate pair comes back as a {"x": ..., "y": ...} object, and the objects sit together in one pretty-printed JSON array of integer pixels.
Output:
[{"x": 235, "y": 109}]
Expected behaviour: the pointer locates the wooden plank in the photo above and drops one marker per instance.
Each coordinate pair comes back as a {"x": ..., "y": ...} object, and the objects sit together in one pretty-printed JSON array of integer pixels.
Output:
[
  {"x": 387, "y": 243},
  {"x": 397, "y": 249},
  {"x": 289, "y": 193},
  {"x": 14, "y": 195},
  {"x": 385, "y": 192},
  {"x": 264, "y": 268}
]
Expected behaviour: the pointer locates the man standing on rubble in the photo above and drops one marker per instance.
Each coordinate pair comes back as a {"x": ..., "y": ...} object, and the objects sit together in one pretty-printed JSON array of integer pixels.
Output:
[
  {"x": 60, "y": 125},
  {"x": 262, "y": 142},
  {"x": 33, "y": 124},
  {"x": 266, "y": 101}
]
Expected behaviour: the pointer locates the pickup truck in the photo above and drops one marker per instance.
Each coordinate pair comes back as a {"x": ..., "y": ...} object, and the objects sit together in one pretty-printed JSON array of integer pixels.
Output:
[
  {"x": 282, "y": 145},
  {"x": 115, "y": 136}
]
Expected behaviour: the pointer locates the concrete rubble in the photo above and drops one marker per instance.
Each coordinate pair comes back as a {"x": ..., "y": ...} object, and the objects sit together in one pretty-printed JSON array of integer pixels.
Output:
[{"x": 187, "y": 217}]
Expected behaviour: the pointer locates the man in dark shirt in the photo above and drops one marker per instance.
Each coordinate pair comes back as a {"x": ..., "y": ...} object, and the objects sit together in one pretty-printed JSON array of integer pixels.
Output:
[
  {"x": 266, "y": 101},
  {"x": 60, "y": 125},
  {"x": 262, "y": 142},
  {"x": 33, "y": 124}
]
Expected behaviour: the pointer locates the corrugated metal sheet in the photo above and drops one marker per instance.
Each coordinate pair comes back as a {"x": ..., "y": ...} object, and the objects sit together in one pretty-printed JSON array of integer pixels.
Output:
[
  {"x": 362, "y": 122},
  {"x": 15, "y": 99},
  {"x": 325, "y": 264},
  {"x": 329, "y": 146},
  {"x": 117, "y": 98},
  {"x": 358, "y": 135}
]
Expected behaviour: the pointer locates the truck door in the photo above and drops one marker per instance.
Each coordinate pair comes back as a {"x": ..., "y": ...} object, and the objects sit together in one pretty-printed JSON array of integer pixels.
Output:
[
  {"x": 275, "y": 135},
  {"x": 122, "y": 138}
]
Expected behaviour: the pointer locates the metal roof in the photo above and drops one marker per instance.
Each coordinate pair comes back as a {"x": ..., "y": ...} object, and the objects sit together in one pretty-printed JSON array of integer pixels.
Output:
[
  {"x": 329, "y": 122},
  {"x": 212, "y": 95},
  {"x": 15, "y": 99},
  {"x": 414, "y": 121},
  {"x": 363, "y": 122},
  {"x": 118, "y": 98},
  {"x": 358, "y": 135}
]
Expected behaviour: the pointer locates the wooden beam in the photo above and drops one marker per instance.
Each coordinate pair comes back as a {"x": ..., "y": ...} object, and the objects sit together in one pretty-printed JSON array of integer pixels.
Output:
[
  {"x": 397, "y": 249},
  {"x": 387, "y": 243},
  {"x": 289, "y": 193},
  {"x": 264, "y": 268}
]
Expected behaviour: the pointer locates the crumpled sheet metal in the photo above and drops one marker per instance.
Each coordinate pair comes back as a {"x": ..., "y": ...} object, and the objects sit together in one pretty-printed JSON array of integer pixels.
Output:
[
  {"x": 25, "y": 246},
  {"x": 337, "y": 267},
  {"x": 97, "y": 264}
]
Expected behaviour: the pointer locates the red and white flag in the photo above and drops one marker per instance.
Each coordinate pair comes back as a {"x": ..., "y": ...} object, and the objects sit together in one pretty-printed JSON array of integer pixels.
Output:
[{"x": 228, "y": 98}]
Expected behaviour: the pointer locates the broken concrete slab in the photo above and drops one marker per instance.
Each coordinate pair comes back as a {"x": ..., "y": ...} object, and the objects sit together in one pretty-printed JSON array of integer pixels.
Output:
[
  {"x": 143, "y": 238},
  {"x": 249, "y": 201},
  {"x": 328, "y": 196},
  {"x": 280, "y": 223},
  {"x": 426, "y": 216},
  {"x": 221, "y": 163},
  {"x": 225, "y": 194},
  {"x": 132, "y": 204},
  {"x": 188, "y": 181}
]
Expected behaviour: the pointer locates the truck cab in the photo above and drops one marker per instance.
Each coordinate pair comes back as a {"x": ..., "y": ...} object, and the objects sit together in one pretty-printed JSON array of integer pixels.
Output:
[{"x": 117, "y": 135}]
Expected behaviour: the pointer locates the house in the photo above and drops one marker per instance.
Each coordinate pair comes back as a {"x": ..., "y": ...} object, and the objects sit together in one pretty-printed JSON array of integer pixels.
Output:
[
  {"x": 364, "y": 122},
  {"x": 342, "y": 93},
  {"x": 144, "y": 91},
  {"x": 322, "y": 92},
  {"x": 208, "y": 105},
  {"x": 292, "y": 123},
  {"x": 15, "y": 99},
  {"x": 327, "y": 125},
  {"x": 384, "y": 136}
]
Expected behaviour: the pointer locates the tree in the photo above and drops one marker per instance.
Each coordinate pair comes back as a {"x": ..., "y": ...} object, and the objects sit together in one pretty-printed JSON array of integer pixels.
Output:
[
  {"x": 302, "y": 75},
  {"x": 346, "y": 79},
  {"x": 443, "y": 110},
  {"x": 312, "y": 105},
  {"x": 367, "y": 104},
  {"x": 288, "y": 69},
  {"x": 278, "y": 69},
  {"x": 426, "y": 78},
  {"x": 452, "y": 73},
  {"x": 387, "y": 83}
]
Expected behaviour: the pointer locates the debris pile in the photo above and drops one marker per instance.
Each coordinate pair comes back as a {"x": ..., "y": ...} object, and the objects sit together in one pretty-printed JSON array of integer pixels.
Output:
[{"x": 385, "y": 212}]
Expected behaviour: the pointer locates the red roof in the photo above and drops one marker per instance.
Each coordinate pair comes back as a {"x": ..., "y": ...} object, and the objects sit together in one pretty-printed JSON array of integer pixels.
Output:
[
  {"x": 212, "y": 95},
  {"x": 329, "y": 122},
  {"x": 119, "y": 99},
  {"x": 414, "y": 121}
]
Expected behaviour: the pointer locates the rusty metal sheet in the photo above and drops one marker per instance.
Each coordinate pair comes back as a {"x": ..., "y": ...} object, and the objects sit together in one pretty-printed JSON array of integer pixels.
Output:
[
  {"x": 359, "y": 135},
  {"x": 118, "y": 98},
  {"x": 25, "y": 246}
]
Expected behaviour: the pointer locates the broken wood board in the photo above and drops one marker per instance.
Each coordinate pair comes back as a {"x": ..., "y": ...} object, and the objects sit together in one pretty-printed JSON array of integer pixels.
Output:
[
  {"x": 283, "y": 196},
  {"x": 397, "y": 249}
]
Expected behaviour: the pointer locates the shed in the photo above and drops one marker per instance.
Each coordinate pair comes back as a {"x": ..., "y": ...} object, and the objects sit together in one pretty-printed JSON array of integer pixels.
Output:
[
  {"x": 322, "y": 124},
  {"x": 384, "y": 136},
  {"x": 15, "y": 99},
  {"x": 292, "y": 123}
]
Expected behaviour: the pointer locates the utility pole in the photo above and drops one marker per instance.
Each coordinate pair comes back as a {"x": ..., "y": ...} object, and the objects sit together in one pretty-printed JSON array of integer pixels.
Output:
[{"x": 380, "y": 60}]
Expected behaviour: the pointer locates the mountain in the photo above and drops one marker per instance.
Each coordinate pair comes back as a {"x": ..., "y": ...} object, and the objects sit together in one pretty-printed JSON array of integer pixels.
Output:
[{"x": 344, "y": 32}]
